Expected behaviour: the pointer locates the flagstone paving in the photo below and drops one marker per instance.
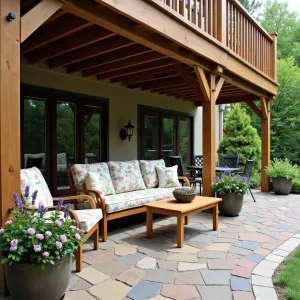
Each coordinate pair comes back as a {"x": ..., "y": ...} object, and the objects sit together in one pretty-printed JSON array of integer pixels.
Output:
[{"x": 234, "y": 263}]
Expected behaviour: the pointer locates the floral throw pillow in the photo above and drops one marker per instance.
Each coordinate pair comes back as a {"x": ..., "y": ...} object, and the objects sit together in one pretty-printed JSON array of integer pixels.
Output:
[
  {"x": 149, "y": 173},
  {"x": 94, "y": 181},
  {"x": 126, "y": 176},
  {"x": 167, "y": 177}
]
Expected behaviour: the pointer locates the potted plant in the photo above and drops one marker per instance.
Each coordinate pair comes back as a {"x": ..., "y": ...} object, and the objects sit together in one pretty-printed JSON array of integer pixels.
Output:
[
  {"x": 184, "y": 194},
  {"x": 231, "y": 188},
  {"x": 282, "y": 173},
  {"x": 36, "y": 248}
]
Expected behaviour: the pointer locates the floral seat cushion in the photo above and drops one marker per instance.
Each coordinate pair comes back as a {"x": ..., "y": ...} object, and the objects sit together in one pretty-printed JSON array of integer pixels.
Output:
[
  {"x": 80, "y": 171},
  {"x": 88, "y": 218},
  {"x": 33, "y": 178},
  {"x": 126, "y": 176},
  {"x": 133, "y": 199},
  {"x": 149, "y": 173}
]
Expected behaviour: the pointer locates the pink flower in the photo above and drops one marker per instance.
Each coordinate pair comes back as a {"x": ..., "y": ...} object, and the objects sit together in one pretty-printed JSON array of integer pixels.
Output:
[
  {"x": 48, "y": 233},
  {"x": 39, "y": 236},
  {"x": 13, "y": 248},
  {"x": 46, "y": 254},
  {"x": 8, "y": 222},
  {"x": 37, "y": 248},
  {"x": 31, "y": 231},
  {"x": 58, "y": 223},
  {"x": 73, "y": 227},
  {"x": 14, "y": 243},
  {"x": 1, "y": 230},
  {"x": 58, "y": 244},
  {"x": 77, "y": 236},
  {"x": 63, "y": 238}
]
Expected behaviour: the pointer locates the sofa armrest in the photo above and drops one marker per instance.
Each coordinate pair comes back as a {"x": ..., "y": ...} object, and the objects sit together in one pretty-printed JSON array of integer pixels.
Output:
[
  {"x": 75, "y": 199},
  {"x": 99, "y": 196},
  {"x": 185, "y": 179}
]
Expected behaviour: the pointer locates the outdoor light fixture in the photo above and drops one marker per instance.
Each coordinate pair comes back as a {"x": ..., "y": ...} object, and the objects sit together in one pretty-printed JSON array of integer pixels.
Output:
[{"x": 126, "y": 132}]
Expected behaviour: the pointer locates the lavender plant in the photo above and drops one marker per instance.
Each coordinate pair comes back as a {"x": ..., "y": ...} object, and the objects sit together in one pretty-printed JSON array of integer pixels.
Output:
[
  {"x": 185, "y": 191},
  {"x": 33, "y": 237},
  {"x": 227, "y": 183}
]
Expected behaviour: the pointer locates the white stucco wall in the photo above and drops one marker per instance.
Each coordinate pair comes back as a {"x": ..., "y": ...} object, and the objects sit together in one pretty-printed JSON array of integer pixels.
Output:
[{"x": 123, "y": 105}]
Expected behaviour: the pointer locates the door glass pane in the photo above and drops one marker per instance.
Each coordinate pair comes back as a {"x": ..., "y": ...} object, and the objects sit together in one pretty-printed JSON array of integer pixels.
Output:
[
  {"x": 184, "y": 142},
  {"x": 168, "y": 138},
  {"x": 34, "y": 142},
  {"x": 92, "y": 134},
  {"x": 150, "y": 138},
  {"x": 65, "y": 123}
]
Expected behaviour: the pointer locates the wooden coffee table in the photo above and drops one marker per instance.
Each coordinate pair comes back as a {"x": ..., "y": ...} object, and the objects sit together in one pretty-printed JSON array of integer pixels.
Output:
[{"x": 170, "y": 207}]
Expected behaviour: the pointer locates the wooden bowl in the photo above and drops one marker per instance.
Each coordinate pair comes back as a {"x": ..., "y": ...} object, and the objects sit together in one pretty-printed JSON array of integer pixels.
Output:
[{"x": 184, "y": 198}]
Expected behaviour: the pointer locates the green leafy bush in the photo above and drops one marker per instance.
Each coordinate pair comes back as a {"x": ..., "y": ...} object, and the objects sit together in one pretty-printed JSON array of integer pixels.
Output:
[
  {"x": 255, "y": 179},
  {"x": 296, "y": 186},
  {"x": 185, "y": 191},
  {"x": 280, "y": 168}
]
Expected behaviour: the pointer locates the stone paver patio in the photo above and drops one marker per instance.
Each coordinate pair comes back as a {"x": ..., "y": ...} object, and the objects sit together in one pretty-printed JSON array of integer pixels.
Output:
[{"x": 236, "y": 262}]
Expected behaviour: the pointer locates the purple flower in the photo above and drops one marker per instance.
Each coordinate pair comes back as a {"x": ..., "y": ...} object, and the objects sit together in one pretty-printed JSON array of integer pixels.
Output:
[
  {"x": 58, "y": 244},
  {"x": 48, "y": 233},
  {"x": 31, "y": 231},
  {"x": 14, "y": 243},
  {"x": 58, "y": 223},
  {"x": 227, "y": 173},
  {"x": 39, "y": 236},
  {"x": 21, "y": 205},
  {"x": 13, "y": 248},
  {"x": 16, "y": 199},
  {"x": 42, "y": 210},
  {"x": 1, "y": 230},
  {"x": 59, "y": 204},
  {"x": 67, "y": 210},
  {"x": 77, "y": 236},
  {"x": 46, "y": 254},
  {"x": 26, "y": 194},
  {"x": 63, "y": 238},
  {"x": 8, "y": 222},
  {"x": 37, "y": 248},
  {"x": 34, "y": 196}
]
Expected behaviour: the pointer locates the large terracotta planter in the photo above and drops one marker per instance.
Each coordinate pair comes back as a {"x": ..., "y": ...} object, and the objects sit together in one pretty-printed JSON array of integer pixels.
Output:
[
  {"x": 27, "y": 282},
  {"x": 231, "y": 205},
  {"x": 282, "y": 186}
]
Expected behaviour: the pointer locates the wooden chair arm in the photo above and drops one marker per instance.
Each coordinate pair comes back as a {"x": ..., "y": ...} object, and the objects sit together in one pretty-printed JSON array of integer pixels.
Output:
[
  {"x": 185, "y": 179},
  {"x": 99, "y": 196},
  {"x": 75, "y": 198}
]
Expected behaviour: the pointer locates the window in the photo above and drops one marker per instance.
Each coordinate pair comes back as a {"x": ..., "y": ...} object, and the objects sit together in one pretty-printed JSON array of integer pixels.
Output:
[{"x": 60, "y": 129}]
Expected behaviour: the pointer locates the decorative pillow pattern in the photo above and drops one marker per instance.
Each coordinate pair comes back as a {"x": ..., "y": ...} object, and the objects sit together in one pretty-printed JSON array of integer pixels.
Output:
[
  {"x": 80, "y": 171},
  {"x": 34, "y": 178},
  {"x": 149, "y": 173},
  {"x": 126, "y": 176},
  {"x": 168, "y": 177},
  {"x": 94, "y": 181},
  {"x": 88, "y": 218}
]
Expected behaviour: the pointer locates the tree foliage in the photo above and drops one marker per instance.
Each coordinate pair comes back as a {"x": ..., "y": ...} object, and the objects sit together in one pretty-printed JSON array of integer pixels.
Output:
[
  {"x": 252, "y": 6},
  {"x": 241, "y": 139}
]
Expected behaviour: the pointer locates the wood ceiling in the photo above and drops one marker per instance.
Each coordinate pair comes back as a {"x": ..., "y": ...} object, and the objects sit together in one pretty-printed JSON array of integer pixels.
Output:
[{"x": 75, "y": 44}]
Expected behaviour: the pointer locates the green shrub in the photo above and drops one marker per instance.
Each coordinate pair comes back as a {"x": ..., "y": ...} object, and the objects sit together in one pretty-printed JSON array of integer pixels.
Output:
[
  {"x": 255, "y": 179},
  {"x": 296, "y": 186},
  {"x": 280, "y": 168}
]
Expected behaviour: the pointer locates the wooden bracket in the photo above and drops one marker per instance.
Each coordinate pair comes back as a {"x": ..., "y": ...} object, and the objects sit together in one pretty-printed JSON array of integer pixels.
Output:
[
  {"x": 218, "y": 88},
  {"x": 255, "y": 108},
  {"x": 31, "y": 21},
  {"x": 203, "y": 83},
  {"x": 264, "y": 107}
]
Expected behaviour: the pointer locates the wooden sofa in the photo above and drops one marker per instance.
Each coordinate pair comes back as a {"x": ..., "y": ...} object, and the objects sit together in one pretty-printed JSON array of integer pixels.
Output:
[{"x": 112, "y": 207}]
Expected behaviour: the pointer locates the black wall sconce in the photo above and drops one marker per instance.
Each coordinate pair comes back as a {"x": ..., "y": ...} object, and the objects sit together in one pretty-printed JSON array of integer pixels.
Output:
[{"x": 126, "y": 132}]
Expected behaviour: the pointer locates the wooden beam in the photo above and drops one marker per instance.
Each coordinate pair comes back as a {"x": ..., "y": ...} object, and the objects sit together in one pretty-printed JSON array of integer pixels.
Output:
[
  {"x": 190, "y": 80},
  {"x": 10, "y": 152},
  {"x": 255, "y": 108},
  {"x": 162, "y": 90},
  {"x": 203, "y": 83},
  {"x": 264, "y": 107},
  {"x": 84, "y": 38},
  {"x": 33, "y": 19},
  {"x": 110, "y": 44},
  {"x": 54, "y": 31},
  {"x": 265, "y": 146},
  {"x": 219, "y": 86},
  {"x": 109, "y": 57}
]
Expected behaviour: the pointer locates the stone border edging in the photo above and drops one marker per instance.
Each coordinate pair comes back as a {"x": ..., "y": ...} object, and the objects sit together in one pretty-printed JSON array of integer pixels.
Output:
[{"x": 261, "y": 276}]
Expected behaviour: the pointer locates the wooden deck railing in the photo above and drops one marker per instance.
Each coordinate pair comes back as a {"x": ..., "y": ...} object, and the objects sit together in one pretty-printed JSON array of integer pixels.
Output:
[{"x": 231, "y": 24}]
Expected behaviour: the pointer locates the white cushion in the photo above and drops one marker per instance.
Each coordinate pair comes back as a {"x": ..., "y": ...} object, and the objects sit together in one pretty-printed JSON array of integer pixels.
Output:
[
  {"x": 88, "y": 218},
  {"x": 94, "y": 181},
  {"x": 168, "y": 177}
]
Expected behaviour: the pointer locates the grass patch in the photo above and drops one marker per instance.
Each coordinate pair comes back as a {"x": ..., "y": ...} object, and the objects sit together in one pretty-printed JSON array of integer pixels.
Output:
[{"x": 289, "y": 277}]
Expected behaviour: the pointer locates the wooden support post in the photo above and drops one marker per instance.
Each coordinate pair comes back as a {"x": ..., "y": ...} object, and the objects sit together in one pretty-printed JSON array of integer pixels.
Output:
[
  {"x": 9, "y": 110},
  {"x": 265, "y": 143}
]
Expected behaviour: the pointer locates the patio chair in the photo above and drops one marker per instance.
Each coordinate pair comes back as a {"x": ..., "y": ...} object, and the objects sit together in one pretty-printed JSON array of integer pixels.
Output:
[
  {"x": 248, "y": 172},
  {"x": 198, "y": 161},
  {"x": 230, "y": 161},
  {"x": 177, "y": 160},
  {"x": 86, "y": 219}
]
